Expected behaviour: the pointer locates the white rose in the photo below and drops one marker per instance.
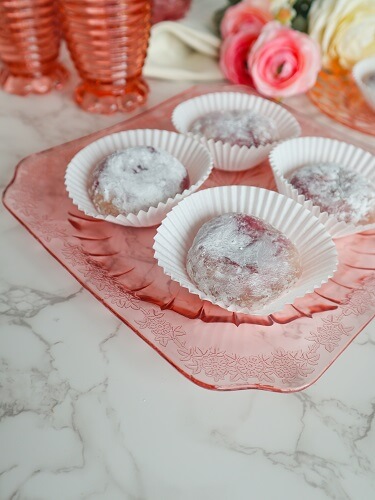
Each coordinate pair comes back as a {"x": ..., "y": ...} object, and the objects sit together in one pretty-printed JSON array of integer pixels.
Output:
[
  {"x": 345, "y": 30},
  {"x": 276, "y": 5}
]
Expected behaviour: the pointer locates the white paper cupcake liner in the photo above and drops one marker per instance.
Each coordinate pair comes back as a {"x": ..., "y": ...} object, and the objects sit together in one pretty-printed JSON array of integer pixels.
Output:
[
  {"x": 189, "y": 152},
  {"x": 226, "y": 156},
  {"x": 360, "y": 70},
  {"x": 287, "y": 157},
  {"x": 317, "y": 251}
]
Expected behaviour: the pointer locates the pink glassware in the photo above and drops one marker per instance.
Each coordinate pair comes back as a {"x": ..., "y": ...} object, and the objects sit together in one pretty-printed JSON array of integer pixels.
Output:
[
  {"x": 29, "y": 47},
  {"x": 169, "y": 10},
  {"x": 214, "y": 348},
  {"x": 337, "y": 95},
  {"x": 107, "y": 40}
]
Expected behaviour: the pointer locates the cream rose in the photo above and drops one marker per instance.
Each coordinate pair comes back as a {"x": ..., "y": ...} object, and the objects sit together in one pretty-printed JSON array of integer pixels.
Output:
[{"x": 345, "y": 30}]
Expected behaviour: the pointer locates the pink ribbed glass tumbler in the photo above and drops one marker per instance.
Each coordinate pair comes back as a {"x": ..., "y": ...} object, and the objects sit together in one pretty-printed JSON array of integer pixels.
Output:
[
  {"x": 29, "y": 47},
  {"x": 107, "y": 40}
]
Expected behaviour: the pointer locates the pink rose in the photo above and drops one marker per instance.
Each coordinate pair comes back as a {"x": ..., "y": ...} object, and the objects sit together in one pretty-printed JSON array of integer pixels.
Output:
[
  {"x": 248, "y": 14},
  {"x": 233, "y": 56},
  {"x": 283, "y": 62}
]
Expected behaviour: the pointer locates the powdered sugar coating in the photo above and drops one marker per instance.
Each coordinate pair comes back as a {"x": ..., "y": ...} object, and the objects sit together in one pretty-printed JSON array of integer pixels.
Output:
[
  {"x": 242, "y": 260},
  {"x": 135, "y": 179},
  {"x": 244, "y": 128},
  {"x": 341, "y": 192}
]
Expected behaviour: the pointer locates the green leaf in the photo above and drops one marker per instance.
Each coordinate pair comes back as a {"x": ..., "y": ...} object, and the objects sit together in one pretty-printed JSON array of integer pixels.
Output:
[
  {"x": 300, "y": 21},
  {"x": 217, "y": 18}
]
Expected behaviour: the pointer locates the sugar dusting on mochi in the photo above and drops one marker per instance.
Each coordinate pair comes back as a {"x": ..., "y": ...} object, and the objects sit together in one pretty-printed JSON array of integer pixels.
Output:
[
  {"x": 339, "y": 191},
  {"x": 242, "y": 260},
  {"x": 244, "y": 128},
  {"x": 135, "y": 179}
]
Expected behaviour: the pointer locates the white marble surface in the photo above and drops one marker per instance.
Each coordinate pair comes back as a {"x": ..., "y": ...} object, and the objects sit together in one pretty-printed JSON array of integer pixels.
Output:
[{"x": 89, "y": 411}]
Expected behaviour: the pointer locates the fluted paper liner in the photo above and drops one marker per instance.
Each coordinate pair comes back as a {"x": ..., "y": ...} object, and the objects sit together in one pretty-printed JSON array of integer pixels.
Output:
[
  {"x": 189, "y": 152},
  {"x": 360, "y": 70},
  {"x": 317, "y": 251},
  {"x": 226, "y": 156},
  {"x": 287, "y": 157}
]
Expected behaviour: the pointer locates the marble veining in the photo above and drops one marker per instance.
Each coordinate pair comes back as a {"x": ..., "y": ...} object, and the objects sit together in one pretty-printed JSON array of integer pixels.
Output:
[{"x": 89, "y": 411}]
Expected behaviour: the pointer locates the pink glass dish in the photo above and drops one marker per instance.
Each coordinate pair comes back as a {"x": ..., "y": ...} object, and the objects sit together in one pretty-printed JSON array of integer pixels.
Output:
[
  {"x": 337, "y": 95},
  {"x": 214, "y": 348}
]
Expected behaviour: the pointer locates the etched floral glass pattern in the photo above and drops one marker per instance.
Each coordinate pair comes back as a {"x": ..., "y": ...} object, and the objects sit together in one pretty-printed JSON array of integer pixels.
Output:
[{"x": 217, "y": 349}]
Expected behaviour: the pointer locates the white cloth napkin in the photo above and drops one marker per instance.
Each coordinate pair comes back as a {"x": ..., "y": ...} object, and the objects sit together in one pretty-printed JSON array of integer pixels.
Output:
[{"x": 186, "y": 49}]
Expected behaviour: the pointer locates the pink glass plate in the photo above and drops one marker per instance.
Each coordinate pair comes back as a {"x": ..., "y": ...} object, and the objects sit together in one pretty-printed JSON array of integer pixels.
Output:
[
  {"x": 337, "y": 95},
  {"x": 216, "y": 349}
]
